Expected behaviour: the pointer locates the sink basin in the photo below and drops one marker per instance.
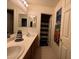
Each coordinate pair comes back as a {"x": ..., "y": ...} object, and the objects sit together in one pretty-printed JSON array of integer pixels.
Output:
[{"x": 14, "y": 52}]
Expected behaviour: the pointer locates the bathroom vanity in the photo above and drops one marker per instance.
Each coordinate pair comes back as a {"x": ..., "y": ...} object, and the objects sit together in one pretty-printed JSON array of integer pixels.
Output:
[
  {"x": 32, "y": 49},
  {"x": 28, "y": 47}
]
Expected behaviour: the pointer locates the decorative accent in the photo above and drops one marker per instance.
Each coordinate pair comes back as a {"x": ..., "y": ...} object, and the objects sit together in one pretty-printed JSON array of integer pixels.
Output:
[
  {"x": 33, "y": 21},
  {"x": 57, "y": 27},
  {"x": 19, "y": 36}
]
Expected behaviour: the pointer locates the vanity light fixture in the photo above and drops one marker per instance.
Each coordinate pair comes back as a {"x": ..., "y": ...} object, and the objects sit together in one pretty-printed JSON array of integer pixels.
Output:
[{"x": 24, "y": 2}]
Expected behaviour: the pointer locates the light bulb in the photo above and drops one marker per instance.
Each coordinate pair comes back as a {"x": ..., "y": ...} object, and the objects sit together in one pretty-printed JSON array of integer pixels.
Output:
[{"x": 24, "y": 2}]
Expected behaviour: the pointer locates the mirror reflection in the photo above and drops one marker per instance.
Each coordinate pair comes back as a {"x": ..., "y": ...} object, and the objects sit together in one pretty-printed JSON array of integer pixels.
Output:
[
  {"x": 27, "y": 21},
  {"x": 17, "y": 17}
]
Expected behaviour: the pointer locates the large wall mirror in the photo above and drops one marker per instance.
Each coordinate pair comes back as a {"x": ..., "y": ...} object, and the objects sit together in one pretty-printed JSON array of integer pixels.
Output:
[{"x": 27, "y": 21}]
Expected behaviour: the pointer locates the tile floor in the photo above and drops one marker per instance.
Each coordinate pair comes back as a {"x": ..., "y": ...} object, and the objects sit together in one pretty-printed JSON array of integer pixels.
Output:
[{"x": 44, "y": 52}]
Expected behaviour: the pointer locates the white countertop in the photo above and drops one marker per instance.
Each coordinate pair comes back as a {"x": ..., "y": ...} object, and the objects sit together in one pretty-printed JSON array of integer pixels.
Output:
[{"x": 26, "y": 43}]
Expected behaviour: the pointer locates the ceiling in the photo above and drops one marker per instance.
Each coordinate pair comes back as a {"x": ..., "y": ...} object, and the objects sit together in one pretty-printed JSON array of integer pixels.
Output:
[{"x": 43, "y": 2}]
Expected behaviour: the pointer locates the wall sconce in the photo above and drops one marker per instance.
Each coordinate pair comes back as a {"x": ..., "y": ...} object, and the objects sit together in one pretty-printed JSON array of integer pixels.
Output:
[{"x": 33, "y": 20}]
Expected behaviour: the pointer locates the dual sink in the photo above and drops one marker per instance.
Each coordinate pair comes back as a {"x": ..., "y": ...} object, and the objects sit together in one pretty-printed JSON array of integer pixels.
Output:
[
  {"x": 14, "y": 52},
  {"x": 15, "y": 49}
]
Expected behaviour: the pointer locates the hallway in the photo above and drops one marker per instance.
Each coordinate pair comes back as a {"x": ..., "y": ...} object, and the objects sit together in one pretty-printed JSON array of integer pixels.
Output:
[
  {"x": 46, "y": 23},
  {"x": 44, "y": 52}
]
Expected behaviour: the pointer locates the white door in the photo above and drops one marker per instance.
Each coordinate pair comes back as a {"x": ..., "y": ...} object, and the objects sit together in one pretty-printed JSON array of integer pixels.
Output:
[{"x": 65, "y": 42}]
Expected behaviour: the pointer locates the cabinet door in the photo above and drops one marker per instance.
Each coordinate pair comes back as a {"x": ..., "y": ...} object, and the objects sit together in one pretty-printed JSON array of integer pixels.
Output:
[
  {"x": 67, "y": 4},
  {"x": 66, "y": 24},
  {"x": 66, "y": 40},
  {"x": 65, "y": 48},
  {"x": 28, "y": 54}
]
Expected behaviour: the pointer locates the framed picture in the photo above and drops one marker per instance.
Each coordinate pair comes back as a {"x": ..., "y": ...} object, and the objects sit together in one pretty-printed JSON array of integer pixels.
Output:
[{"x": 57, "y": 26}]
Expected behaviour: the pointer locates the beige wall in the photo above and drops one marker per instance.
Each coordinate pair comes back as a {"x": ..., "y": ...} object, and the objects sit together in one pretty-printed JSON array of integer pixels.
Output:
[
  {"x": 53, "y": 44},
  {"x": 17, "y": 11},
  {"x": 36, "y": 10}
]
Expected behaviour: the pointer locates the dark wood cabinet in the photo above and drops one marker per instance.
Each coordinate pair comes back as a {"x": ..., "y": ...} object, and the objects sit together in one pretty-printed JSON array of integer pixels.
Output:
[{"x": 31, "y": 52}]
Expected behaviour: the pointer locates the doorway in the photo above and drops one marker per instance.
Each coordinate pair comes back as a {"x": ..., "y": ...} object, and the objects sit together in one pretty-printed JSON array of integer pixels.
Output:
[
  {"x": 44, "y": 31},
  {"x": 10, "y": 21}
]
